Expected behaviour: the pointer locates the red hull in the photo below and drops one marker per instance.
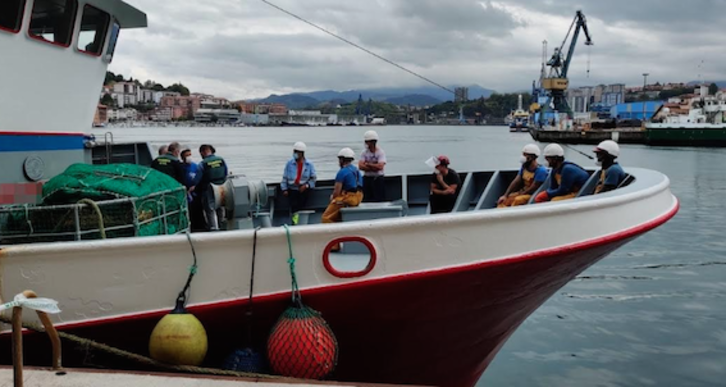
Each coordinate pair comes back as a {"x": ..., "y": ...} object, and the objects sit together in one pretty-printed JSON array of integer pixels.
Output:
[{"x": 434, "y": 328}]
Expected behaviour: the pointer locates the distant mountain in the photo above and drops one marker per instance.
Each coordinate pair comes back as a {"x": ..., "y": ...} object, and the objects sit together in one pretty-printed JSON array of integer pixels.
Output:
[
  {"x": 416, "y": 96},
  {"x": 292, "y": 101},
  {"x": 414, "y": 100}
]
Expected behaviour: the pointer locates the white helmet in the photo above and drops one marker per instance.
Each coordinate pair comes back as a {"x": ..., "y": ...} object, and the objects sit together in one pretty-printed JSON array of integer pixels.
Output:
[
  {"x": 300, "y": 147},
  {"x": 532, "y": 149},
  {"x": 554, "y": 150},
  {"x": 610, "y": 147},
  {"x": 346, "y": 153},
  {"x": 371, "y": 135}
]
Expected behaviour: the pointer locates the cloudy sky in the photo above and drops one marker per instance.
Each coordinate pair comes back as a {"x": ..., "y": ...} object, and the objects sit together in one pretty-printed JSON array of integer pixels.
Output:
[{"x": 243, "y": 49}]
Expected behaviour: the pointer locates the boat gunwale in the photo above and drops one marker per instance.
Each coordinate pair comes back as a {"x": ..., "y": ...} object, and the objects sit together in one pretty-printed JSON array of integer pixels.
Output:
[{"x": 640, "y": 189}]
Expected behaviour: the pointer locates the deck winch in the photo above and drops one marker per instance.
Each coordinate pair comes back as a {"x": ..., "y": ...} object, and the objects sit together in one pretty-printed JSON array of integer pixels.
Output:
[{"x": 242, "y": 200}]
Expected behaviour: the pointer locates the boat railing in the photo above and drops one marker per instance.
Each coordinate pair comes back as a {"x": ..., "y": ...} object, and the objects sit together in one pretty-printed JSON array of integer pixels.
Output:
[{"x": 161, "y": 213}]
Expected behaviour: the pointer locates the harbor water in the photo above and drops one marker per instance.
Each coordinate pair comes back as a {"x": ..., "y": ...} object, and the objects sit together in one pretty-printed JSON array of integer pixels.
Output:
[{"x": 650, "y": 314}]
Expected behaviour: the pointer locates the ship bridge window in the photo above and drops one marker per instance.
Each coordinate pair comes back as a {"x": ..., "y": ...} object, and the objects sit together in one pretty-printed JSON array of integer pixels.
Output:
[
  {"x": 52, "y": 21},
  {"x": 112, "y": 42},
  {"x": 94, "y": 25},
  {"x": 11, "y": 14}
]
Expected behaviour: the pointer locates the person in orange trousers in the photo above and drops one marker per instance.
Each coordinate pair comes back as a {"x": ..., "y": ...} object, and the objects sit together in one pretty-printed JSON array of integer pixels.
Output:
[
  {"x": 530, "y": 177},
  {"x": 348, "y": 190}
]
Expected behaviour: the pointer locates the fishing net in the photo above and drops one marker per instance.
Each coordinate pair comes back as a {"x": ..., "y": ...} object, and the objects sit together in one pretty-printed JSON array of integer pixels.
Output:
[{"x": 99, "y": 201}]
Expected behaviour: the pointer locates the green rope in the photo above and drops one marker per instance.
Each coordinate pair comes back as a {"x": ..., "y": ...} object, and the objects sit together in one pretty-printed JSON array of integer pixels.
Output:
[{"x": 296, "y": 298}]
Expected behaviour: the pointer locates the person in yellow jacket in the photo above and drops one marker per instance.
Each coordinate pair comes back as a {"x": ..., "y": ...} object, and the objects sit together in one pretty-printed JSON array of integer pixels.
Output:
[{"x": 531, "y": 176}]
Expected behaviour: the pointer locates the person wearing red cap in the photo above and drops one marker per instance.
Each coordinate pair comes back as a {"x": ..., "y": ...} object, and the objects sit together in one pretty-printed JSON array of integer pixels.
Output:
[{"x": 445, "y": 185}]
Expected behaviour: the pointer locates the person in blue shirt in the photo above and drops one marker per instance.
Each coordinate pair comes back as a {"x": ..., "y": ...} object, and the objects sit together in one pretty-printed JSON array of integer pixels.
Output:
[
  {"x": 191, "y": 170},
  {"x": 612, "y": 174},
  {"x": 298, "y": 179},
  {"x": 348, "y": 191},
  {"x": 567, "y": 178},
  {"x": 531, "y": 176}
]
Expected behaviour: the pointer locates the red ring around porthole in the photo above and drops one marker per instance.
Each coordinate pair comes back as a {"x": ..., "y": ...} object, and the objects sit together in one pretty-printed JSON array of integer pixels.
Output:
[{"x": 350, "y": 274}]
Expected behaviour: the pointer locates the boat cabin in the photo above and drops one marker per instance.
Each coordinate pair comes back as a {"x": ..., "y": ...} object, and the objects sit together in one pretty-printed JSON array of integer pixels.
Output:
[{"x": 54, "y": 59}]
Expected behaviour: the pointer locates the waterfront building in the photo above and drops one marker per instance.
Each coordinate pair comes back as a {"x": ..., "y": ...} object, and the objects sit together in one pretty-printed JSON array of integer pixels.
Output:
[
  {"x": 262, "y": 108},
  {"x": 182, "y": 106},
  {"x": 145, "y": 96},
  {"x": 158, "y": 95},
  {"x": 125, "y": 93},
  {"x": 122, "y": 114},
  {"x": 216, "y": 115},
  {"x": 635, "y": 110},
  {"x": 101, "y": 116}
]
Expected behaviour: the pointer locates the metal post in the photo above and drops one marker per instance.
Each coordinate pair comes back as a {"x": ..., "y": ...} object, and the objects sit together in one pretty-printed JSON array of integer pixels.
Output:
[
  {"x": 17, "y": 341},
  {"x": 136, "y": 218},
  {"x": 165, "y": 216},
  {"x": 77, "y": 219},
  {"x": 645, "y": 94},
  {"x": 17, "y": 344}
]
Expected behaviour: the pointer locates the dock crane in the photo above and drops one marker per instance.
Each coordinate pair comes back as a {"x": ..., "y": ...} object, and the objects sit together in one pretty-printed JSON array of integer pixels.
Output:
[{"x": 555, "y": 83}]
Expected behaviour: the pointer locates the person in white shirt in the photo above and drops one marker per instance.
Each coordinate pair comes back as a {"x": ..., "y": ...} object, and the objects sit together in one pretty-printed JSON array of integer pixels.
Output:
[{"x": 372, "y": 163}]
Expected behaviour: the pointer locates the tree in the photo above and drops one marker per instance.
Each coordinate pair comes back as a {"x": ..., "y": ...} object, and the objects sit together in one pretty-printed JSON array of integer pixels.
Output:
[
  {"x": 179, "y": 88},
  {"x": 110, "y": 77},
  {"x": 713, "y": 89},
  {"x": 108, "y": 100}
]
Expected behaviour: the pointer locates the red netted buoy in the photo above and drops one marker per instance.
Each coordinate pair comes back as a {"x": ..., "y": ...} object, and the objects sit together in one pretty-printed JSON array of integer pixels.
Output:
[{"x": 302, "y": 345}]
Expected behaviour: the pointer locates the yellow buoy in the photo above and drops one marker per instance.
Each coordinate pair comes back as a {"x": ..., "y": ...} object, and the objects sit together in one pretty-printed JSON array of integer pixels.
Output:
[{"x": 179, "y": 339}]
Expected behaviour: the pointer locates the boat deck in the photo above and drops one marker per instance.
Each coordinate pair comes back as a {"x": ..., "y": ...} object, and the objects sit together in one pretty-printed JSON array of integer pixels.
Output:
[{"x": 92, "y": 378}]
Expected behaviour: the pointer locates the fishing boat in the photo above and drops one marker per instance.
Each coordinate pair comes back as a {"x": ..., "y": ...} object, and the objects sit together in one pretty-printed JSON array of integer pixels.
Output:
[
  {"x": 412, "y": 298},
  {"x": 699, "y": 122},
  {"x": 519, "y": 119}
]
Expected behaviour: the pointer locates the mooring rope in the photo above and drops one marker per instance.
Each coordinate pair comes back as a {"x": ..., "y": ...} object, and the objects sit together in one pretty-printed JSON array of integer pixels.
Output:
[
  {"x": 146, "y": 360},
  {"x": 248, "y": 314},
  {"x": 184, "y": 294},
  {"x": 296, "y": 297}
]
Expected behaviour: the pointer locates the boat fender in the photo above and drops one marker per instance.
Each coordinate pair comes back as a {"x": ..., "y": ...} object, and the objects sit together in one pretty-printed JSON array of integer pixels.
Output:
[
  {"x": 179, "y": 339},
  {"x": 301, "y": 344}
]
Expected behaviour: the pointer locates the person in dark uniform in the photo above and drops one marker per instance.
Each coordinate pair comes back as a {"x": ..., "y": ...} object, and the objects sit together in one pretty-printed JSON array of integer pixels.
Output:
[
  {"x": 212, "y": 170},
  {"x": 445, "y": 185},
  {"x": 169, "y": 164}
]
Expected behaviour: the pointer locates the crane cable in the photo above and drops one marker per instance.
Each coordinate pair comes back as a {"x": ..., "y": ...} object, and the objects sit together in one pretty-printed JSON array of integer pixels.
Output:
[{"x": 392, "y": 63}]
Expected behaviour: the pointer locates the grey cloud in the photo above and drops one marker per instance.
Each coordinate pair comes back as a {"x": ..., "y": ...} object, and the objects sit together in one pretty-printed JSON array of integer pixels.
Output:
[{"x": 245, "y": 49}]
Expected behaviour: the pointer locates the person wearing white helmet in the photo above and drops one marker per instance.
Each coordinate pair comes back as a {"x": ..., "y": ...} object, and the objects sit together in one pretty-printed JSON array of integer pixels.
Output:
[
  {"x": 612, "y": 173},
  {"x": 567, "y": 177},
  {"x": 445, "y": 185},
  {"x": 298, "y": 178},
  {"x": 348, "y": 190},
  {"x": 530, "y": 177},
  {"x": 372, "y": 162}
]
